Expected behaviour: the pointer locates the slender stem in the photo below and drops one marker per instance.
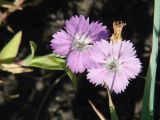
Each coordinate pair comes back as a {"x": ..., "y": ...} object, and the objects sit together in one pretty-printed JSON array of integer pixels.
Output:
[
  {"x": 46, "y": 95},
  {"x": 97, "y": 111},
  {"x": 111, "y": 105}
]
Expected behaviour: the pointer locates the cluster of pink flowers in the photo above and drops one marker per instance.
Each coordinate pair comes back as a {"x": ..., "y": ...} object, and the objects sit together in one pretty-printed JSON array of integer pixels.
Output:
[{"x": 110, "y": 62}]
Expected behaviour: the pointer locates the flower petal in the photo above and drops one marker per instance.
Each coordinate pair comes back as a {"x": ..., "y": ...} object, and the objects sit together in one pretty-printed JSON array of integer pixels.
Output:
[
  {"x": 121, "y": 81},
  {"x": 77, "y": 25},
  {"x": 87, "y": 60},
  {"x": 97, "y": 75},
  {"x": 61, "y": 43},
  {"x": 75, "y": 62},
  {"x": 132, "y": 67},
  {"x": 100, "y": 51},
  {"x": 97, "y": 32},
  {"x": 127, "y": 50}
]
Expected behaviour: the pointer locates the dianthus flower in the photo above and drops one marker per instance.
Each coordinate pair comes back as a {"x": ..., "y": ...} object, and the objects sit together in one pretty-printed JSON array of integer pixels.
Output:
[
  {"x": 76, "y": 40},
  {"x": 117, "y": 61}
]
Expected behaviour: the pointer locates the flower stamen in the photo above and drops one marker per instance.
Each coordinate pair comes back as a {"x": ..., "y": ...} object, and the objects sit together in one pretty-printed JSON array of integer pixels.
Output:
[
  {"x": 81, "y": 43},
  {"x": 112, "y": 64}
]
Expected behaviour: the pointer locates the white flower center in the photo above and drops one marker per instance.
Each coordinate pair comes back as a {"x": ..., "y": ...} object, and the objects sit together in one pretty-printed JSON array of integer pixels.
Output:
[
  {"x": 112, "y": 64},
  {"x": 81, "y": 43}
]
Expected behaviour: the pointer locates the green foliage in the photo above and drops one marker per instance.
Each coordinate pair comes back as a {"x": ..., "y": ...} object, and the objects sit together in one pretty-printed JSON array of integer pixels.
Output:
[
  {"x": 33, "y": 47},
  {"x": 50, "y": 61},
  {"x": 62, "y": 64},
  {"x": 149, "y": 93},
  {"x": 114, "y": 115},
  {"x": 8, "y": 54},
  {"x": 43, "y": 62},
  {"x": 112, "y": 109},
  {"x": 72, "y": 76},
  {"x": 10, "y": 51}
]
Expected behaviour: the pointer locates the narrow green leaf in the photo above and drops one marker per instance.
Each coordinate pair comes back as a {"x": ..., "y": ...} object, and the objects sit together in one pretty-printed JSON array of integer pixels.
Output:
[
  {"x": 9, "y": 52},
  {"x": 33, "y": 47},
  {"x": 149, "y": 91},
  {"x": 42, "y": 62},
  {"x": 56, "y": 58}
]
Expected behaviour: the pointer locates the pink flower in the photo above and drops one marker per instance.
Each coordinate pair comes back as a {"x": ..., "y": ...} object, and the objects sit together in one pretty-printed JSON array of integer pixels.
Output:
[
  {"x": 118, "y": 64},
  {"x": 76, "y": 40}
]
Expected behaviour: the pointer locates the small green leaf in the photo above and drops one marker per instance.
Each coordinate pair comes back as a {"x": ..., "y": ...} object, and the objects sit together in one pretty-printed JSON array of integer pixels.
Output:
[
  {"x": 43, "y": 62},
  {"x": 33, "y": 47},
  {"x": 10, "y": 51}
]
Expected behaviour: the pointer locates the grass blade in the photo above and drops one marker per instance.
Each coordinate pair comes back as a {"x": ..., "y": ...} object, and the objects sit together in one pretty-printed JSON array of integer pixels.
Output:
[{"x": 149, "y": 92}]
